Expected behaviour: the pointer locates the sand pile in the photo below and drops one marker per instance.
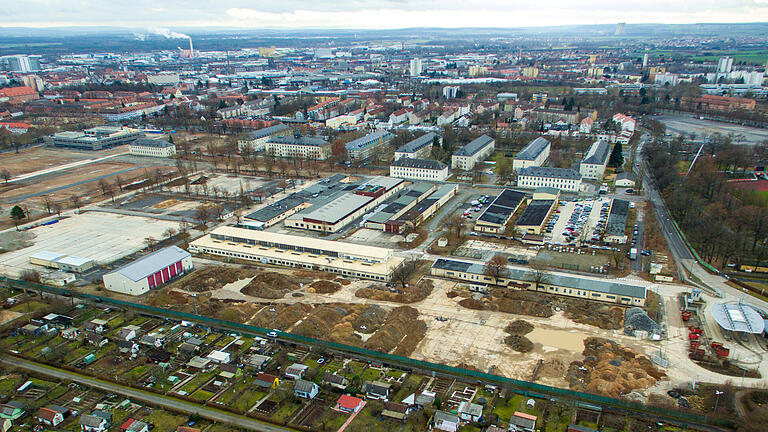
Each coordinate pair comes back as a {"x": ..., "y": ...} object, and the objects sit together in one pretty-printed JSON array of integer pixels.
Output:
[
  {"x": 516, "y": 339},
  {"x": 411, "y": 294},
  {"x": 285, "y": 316},
  {"x": 212, "y": 278},
  {"x": 269, "y": 285},
  {"x": 324, "y": 287},
  {"x": 401, "y": 332},
  {"x": 612, "y": 370}
]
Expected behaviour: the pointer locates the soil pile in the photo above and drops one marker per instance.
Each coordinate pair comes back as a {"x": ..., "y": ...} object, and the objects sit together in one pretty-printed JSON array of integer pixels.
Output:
[
  {"x": 610, "y": 369},
  {"x": 212, "y": 278},
  {"x": 407, "y": 295},
  {"x": 285, "y": 316},
  {"x": 269, "y": 285},
  {"x": 400, "y": 334},
  {"x": 370, "y": 319},
  {"x": 324, "y": 287},
  {"x": 514, "y": 302},
  {"x": 320, "y": 320},
  {"x": 593, "y": 313},
  {"x": 516, "y": 339}
]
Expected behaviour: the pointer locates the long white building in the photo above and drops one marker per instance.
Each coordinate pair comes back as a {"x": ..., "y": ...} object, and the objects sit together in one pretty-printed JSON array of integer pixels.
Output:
[
  {"x": 560, "y": 178},
  {"x": 533, "y": 154},
  {"x": 419, "y": 169},
  {"x": 346, "y": 259},
  {"x": 595, "y": 161},
  {"x": 151, "y": 147},
  {"x": 466, "y": 157}
]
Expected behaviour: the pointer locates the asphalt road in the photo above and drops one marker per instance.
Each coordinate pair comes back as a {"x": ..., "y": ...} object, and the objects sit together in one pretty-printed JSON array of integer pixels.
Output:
[{"x": 151, "y": 398}]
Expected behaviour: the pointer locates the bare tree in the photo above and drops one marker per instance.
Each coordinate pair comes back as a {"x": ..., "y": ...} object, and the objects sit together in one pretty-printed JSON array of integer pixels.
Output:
[
  {"x": 203, "y": 214},
  {"x": 456, "y": 225},
  {"x": 76, "y": 203},
  {"x": 48, "y": 203},
  {"x": 404, "y": 273},
  {"x": 29, "y": 275},
  {"x": 539, "y": 274},
  {"x": 169, "y": 233},
  {"x": 496, "y": 267},
  {"x": 5, "y": 175},
  {"x": 57, "y": 207},
  {"x": 150, "y": 242}
]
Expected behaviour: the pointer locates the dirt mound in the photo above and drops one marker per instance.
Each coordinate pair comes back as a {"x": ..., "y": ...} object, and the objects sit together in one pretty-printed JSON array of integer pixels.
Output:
[
  {"x": 519, "y": 327},
  {"x": 320, "y": 320},
  {"x": 285, "y": 316},
  {"x": 594, "y": 313},
  {"x": 406, "y": 295},
  {"x": 345, "y": 333},
  {"x": 610, "y": 369},
  {"x": 269, "y": 285},
  {"x": 324, "y": 287},
  {"x": 400, "y": 334},
  {"x": 516, "y": 339},
  {"x": 370, "y": 319},
  {"x": 343, "y": 281},
  {"x": 509, "y": 305},
  {"x": 211, "y": 278},
  {"x": 519, "y": 343},
  {"x": 552, "y": 368}
]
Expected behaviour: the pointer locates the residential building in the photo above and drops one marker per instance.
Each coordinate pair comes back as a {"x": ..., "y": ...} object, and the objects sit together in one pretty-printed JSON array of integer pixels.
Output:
[
  {"x": 297, "y": 146},
  {"x": 564, "y": 179},
  {"x": 604, "y": 290},
  {"x": 533, "y": 154},
  {"x": 15, "y": 128},
  {"x": 97, "y": 421},
  {"x": 467, "y": 156},
  {"x": 419, "y": 148},
  {"x": 267, "y": 381},
  {"x": 446, "y": 421},
  {"x": 305, "y": 389},
  {"x": 295, "y": 371},
  {"x": 348, "y": 404},
  {"x": 522, "y": 422},
  {"x": 450, "y": 92},
  {"x": 149, "y": 272},
  {"x": 345, "y": 259},
  {"x": 256, "y": 141},
  {"x": 338, "y": 382},
  {"x": 18, "y": 95},
  {"x": 419, "y": 169},
  {"x": 395, "y": 411},
  {"x": 365, "y": 147},
  {"x": 470, "y": 412},
  {"x": 133, "y": 425},
  {"x": 585, "y": 126},
  {"x": 23, "y": 63},
  {"x": 415, "y": 67},
  {"x": 625, "y": 179},
  {"x": 13, "y": 410},
  {"x": 595, "y": 160},
  {"x": 377, "y": 390},
  {"x": 52, "y": 415},
  {"x": 719, "y": 103},
  {"x": 152, "y": 147}
]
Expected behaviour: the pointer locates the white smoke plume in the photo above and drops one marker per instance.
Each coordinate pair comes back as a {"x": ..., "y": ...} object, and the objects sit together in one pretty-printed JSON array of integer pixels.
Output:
[{"x": 168, "y": 34}]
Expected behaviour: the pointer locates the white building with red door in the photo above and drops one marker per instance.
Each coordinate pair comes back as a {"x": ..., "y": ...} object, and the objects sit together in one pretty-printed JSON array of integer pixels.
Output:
[{"x": 149, "y": 272}]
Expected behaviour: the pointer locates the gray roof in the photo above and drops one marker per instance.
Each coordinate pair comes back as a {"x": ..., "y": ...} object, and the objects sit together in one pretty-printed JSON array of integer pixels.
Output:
[
  {"x": 474, "y": 146},
  {"x": 419, "y": 163},
  {"x": 502, "y": 207},
  {"x": 303, "y": 386},
  {"x": 152, "y": 263},
  {"x": 300, "y": 140},
  {"x": 156, "y": 143},
  {"x": 617, "y": 218},
  {"x": 607, "y": 286},
  {"x": 267, "y": 131},
  {"x": 549, "y": 172},
  {"x": 339, "y": 208},
  {"x": 370, "y": 139},
  {"x": 275, "y": 209},
  {"x": 626, "y": 175},
  {"x": 441, "y": 416},
  {"x": 418, "y": 143},
  {"x": 533, "y": 149},
  {"x": 598, "y": 153},
  {"x": 90, "y": 420},
  {"x": 738, "y": 317}
]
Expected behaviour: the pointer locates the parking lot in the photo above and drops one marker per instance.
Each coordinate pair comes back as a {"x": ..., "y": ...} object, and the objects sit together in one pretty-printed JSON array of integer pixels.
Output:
[
  {"x": 102, "y": 237},
  {"x": 579, "y": 220}
]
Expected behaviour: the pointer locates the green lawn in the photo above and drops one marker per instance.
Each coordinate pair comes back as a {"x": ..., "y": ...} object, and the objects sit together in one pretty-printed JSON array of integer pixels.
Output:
[
  {"x": 506, "y": 407},
  {"x": 247, "y": 399},
  {"x": 286, "y": 410},
  {"x": 201, "y": 395},
  {"x": 196, "y": 381},
  {"x": 370, "y": 374},
  {"x": 137, "y": 372},
  {"x": 165, "y": 421},
  {"x": 9, "y": 385}
]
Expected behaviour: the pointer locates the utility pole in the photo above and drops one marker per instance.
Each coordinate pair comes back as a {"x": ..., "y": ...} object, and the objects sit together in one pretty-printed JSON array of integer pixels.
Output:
[{"x": 717, "y": 398}]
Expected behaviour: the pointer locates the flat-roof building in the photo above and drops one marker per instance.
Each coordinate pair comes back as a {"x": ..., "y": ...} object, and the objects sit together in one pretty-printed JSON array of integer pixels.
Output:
[
  {"x": 419, "y": 169},
  {"x": 420, "y": 202},
  {"x": 342, "y": 258},
  {"x": 534, "y": 177},
  {"x": 419, "y": 148},
  {"x": 494, "y": 218},
  {"x": 533, "y": 154},
  {"x": 604, "y": 290},
  {"x": 149, "y": 272},
  {"x": 97, "y": 138},
  {"x": 67, "y": 263},
  {"x": 469, "y": 155},
  {"x": 535, "y": 215},
  {"x": 615, "y": 227}
]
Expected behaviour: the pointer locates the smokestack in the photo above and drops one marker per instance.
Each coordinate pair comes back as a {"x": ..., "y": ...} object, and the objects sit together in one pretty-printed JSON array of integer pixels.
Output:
[{"x": 191, "y": 49}]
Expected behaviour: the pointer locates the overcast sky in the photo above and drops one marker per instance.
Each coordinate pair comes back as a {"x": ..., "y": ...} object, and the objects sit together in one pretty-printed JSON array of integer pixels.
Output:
[{"x": 373, "y": 14}]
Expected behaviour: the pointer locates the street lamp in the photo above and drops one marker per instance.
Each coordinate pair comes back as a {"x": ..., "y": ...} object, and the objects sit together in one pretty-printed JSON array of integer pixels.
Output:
[
  {"x": 717, "y": 398},
  {"x": 273, "y": 316}
]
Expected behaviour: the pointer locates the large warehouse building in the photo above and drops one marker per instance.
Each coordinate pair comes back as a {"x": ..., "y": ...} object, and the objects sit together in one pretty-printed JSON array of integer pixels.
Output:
[
  {"x": 347, "y": 259},
  {"x": 494, "y": 218},
  {"x": 149, "y": 272},
  {"x": 98, "y": 138},
  {"x": 604, "y": 290}
]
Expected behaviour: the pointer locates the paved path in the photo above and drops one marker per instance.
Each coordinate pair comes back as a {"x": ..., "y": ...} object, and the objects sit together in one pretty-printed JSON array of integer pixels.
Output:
[
  {"x": 351, "y": 417},
  {"x": 151, "y": 398},
  {"x": 63, "y": 167}
]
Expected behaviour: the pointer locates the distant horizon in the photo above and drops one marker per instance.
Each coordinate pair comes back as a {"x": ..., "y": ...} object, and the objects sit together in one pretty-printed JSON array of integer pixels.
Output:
[{"x": 383, "y": 15}]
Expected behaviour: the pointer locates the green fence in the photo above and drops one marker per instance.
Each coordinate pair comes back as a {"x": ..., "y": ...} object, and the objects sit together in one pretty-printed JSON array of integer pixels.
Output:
[
  {"x": 693, "y": 251},
  {"x": 525, "y": 386}
]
